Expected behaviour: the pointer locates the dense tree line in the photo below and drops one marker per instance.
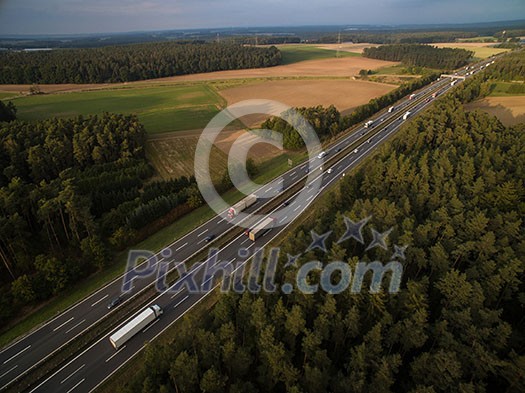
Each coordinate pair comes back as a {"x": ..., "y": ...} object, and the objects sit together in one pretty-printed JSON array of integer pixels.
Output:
[
  {"x": 421, "y": 55},
  {"x": 71, "y": 192},
  {"x": 328, "y": 122},
  {"x": 452, "y": 187},
  {"x": 130, "y": 62}
]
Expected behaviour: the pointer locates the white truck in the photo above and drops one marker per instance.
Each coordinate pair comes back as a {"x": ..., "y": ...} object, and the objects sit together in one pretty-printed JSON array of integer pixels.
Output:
[
  {"x": 368, "y": 123},
  {"x": 261, "y": 228},
  {"x": 405, "y": 116},
  {"x": 453, "y": 82},
  {"x": 412, "y": 96},
  {"x": 139, "y": 322},
  {"x": 242, "y": 205},
  {"x": 391, "y": 109}
]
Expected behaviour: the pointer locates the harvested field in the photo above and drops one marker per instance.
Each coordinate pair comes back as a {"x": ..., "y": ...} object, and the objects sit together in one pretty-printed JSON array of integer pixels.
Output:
[
  {"x": 347, "y": 47},
  {"x": 341, "y": 67},
  {"x": 509, "y": 110},
  {"x": 172, "y": 154},
  {"x": 345, "y": 94}
]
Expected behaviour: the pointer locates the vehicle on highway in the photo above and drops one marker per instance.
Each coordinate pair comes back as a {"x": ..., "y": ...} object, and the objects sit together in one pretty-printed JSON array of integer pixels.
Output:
[
  {"x": 322, "y": 154},
  {"x": 406, "y": 115},
  {"x": 412, "y": 96},
  {"x": 355, "y": 150},
  {"x": 114, "y": 302},
  {"x": 242, "y": 205},
  {"x": 338, "y": 150},
  {"x": 329, "y": 170},
  {"x": 368, "y": 123},
  {"x": 286, "y": 203},
  {"x": 209, "y": 238},
  {"x": 139, "y": 322},
  {"x": 261, "y": 228},
  {"x": 391, "y": 109}
]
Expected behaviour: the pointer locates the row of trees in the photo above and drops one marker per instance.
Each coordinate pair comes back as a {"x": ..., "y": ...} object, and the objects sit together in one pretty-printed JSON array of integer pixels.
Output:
[
  {"x": 130, "y": 62},
  {"x": 421, "y": 55},
  {"x": 383, "y": 37},
  {"x": 452, "y": 187},
  {"x": 7, "y": 111}
]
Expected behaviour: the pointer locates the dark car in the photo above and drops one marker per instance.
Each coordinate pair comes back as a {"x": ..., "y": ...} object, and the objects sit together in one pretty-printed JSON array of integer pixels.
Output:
[
  {"x": 114, "y": 303},
  {"x": 338, "y": 150},
  {"x": 209, "y": 238},
  {"x": 286, "y": 203}
]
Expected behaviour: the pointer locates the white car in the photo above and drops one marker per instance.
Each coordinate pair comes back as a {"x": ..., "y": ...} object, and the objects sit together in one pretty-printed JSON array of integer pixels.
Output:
[
  {"x": 355, "y": 151},
  {"x": 329, "y": 170},
  {"x": 322, "y": 154}
]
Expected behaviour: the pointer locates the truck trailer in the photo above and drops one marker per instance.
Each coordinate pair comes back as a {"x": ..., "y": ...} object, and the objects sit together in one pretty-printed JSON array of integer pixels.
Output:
[
  {"x": 242, "y": 205},
  {"x": 139, "y": 322},
  {"x": 261, "y": 229}
]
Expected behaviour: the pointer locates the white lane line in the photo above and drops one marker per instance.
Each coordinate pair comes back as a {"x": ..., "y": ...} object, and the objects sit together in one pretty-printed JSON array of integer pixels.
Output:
[
  {"x": 206, "y": 281},
  {"x": 233, "y": 259},
  {"x": 147, "y": 327},
  {"x": 116, "y": 353},
  {"x": 73, "y": 373},
  {"x": 202, "y": 233},
  {"x": 176, "y": 293},
  {"x": 269, "y": 189},
  {"x": 81, "y": 322},
  {"x": 187, "y": 296},
  {"x": 221, "y": 220},
  {"x": 284, "y": 218},
  {"x": 184, "y": 245},
  {"x": 18, "y": 353},
  {"x": 293, "y": 177},
  {"x": 99, "y": 300},
  {"x": 76, "y": 386},
  {"x": 297, "y": 208},
  {"x": 244, "y": 241},
  {"x": 7, "y": 372},
  {"x": 293, "y": 173},
  {"x": 250, "y": 246},
  {"x": 310, "y": 197},
  {"x": 58, "y": 327}
]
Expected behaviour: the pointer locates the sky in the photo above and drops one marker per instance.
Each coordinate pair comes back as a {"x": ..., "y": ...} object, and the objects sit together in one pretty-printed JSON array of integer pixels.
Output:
[{"x": 101, "y": 16}]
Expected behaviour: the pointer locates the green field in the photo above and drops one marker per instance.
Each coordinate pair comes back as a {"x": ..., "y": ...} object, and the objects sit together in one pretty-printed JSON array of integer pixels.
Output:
[
  {"x": 4, "y": 95},
  {"x": 161, "y": 109},
  {"x": 502, "y": 89},
  {"x": 296, "y": 53}
]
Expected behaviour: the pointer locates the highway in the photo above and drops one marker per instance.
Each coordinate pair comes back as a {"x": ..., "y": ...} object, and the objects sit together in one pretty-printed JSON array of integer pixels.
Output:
[{"x": 97, "y": 362}]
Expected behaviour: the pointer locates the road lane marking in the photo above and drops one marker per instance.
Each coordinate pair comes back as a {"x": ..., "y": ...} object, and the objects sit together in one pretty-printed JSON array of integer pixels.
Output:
[
  {"x": 221, "y": 220},
  {"x": 76, "y": 386},
  {"x": 99, "y": 300},
  {"x": 250, "y": 246},
  {"x": 116, "y": 353},
  {"x": 176, "y": 293},
  {"x": 184, "y": 245},
  {"x": 206, "y": 281},
  {"x": 233, "y": 259},
  {"x": 81, "y": 322},
  {"x": 58, "y": 327},
  {"x": 73, "y": 373},
  {"x": 18, "y": 353},
  {"x": 284, "y": 218},
  {"x": 187, "y": 296},
  {"x": 147, "y": 327},
  {"x": 269, "y": 189},
  {"x": 297, "y": 208},
  {"x": 202, "y": 233},
  {"x": 310, "y": 197},
  {"x": 7, "y": 372},
  {"x": 244, "y": 241},
  {"x": 293, "y": 173}
]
